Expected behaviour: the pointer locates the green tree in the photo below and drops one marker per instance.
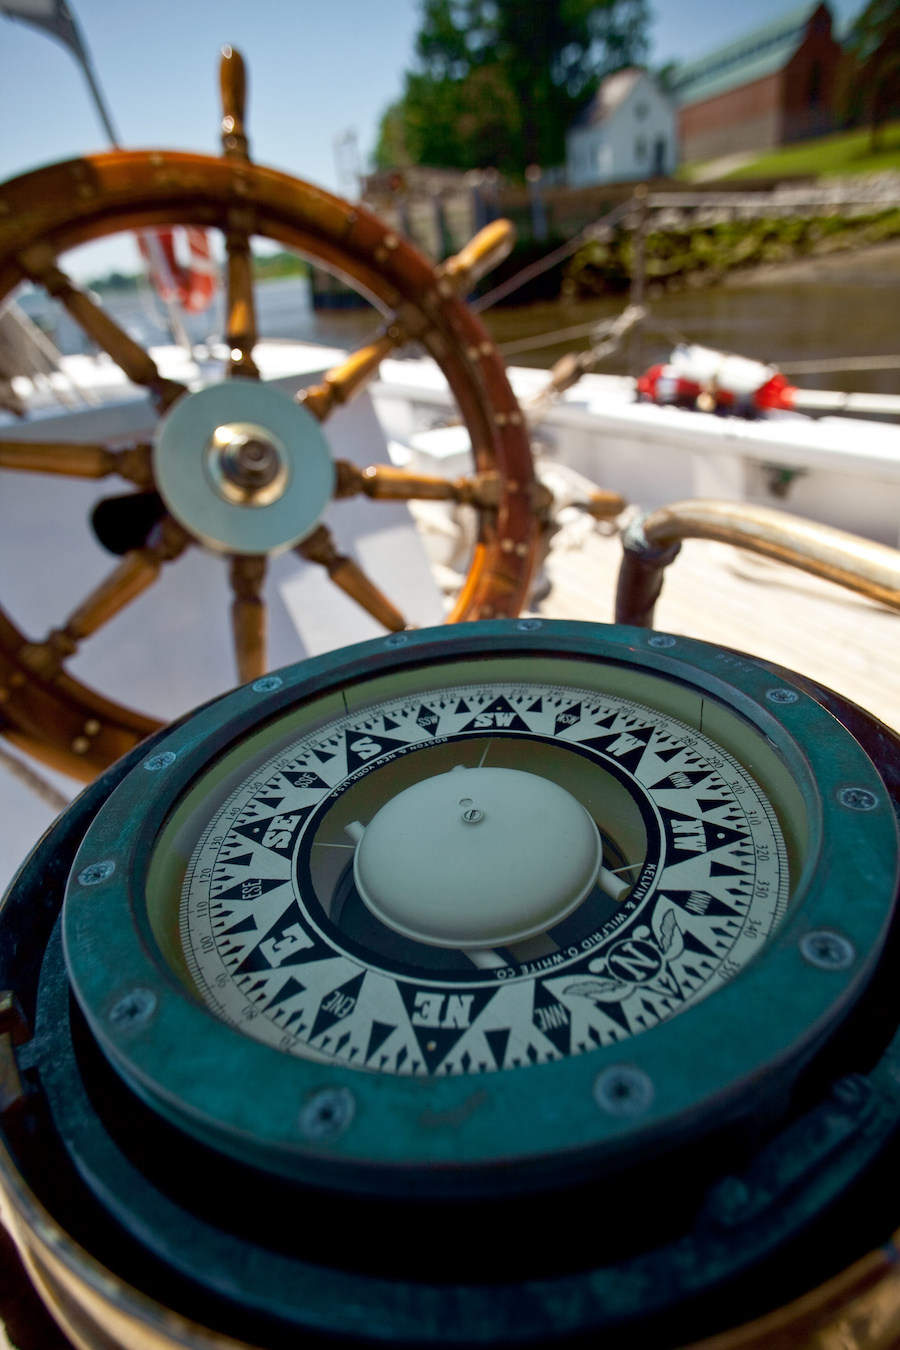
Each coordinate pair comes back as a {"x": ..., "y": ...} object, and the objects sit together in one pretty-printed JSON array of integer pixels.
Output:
[
  {"x": 875, "y": 45},
  {"x": 499, "y": 82}
]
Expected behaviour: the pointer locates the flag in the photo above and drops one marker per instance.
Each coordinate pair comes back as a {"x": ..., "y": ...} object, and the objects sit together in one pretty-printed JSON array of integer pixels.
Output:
[
  {"x": 55, "y": 17},
  {"x": 52, "y": 16}
]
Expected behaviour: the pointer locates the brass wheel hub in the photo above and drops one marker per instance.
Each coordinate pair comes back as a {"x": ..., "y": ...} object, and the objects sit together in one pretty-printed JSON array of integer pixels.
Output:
[{"x": 247, "y": 465}]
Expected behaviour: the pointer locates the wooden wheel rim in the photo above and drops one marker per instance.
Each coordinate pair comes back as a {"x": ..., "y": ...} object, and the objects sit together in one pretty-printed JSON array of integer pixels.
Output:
[{"x": 59, "y": 207}]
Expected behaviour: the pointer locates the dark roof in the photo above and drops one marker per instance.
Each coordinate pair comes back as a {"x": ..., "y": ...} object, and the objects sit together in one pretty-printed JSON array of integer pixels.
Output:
[{"x": 759, "y": 53}]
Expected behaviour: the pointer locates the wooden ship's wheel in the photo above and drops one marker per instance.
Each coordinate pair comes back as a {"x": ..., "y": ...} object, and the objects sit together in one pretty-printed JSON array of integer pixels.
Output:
[{"x": 241, "y": 468}]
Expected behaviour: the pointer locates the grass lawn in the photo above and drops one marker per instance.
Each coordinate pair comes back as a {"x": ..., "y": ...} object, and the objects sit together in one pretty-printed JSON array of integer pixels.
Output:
[{"x": 847, "y": 153}]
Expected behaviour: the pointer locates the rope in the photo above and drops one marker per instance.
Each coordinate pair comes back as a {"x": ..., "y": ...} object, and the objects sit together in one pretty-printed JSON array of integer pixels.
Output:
[
  {"x": 34, "y": 782},
  {"x": 564, "y": 251}
]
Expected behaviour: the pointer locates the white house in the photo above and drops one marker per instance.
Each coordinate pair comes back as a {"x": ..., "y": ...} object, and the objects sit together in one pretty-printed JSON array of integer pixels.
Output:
[{"x": 628, "y": 130}]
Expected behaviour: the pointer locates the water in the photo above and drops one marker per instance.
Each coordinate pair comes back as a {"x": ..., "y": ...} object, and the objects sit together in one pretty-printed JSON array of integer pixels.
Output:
[{"x": 849, "y": 308}]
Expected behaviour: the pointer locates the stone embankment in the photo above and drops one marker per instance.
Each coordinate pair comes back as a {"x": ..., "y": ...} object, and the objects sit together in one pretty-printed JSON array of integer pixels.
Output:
[{"x": 701, "y": 238}]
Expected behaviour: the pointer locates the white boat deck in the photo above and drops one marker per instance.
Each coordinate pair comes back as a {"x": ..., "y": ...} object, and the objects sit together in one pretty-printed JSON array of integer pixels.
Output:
[{"x": 721, "y": 594}]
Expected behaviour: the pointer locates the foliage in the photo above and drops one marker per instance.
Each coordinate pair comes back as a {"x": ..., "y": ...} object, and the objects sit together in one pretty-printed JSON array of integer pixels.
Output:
[
  {"x": 499, "y": 82},
  {"x": 841, "y": 155},
  {"x": 267, "y": 266},
  {"x": 702, "y": 254},
  {"x": 875, "y": 46}
]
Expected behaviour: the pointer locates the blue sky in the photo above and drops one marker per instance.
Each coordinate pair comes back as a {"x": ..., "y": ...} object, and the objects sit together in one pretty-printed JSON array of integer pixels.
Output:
[{"x": 316, "y": 70}]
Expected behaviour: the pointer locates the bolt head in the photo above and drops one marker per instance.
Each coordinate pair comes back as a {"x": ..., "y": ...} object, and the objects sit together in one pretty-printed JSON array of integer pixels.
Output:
[
  {"x": 858, "y": 799},
  {"x": 134, "y": 1009},
  {"x": 161, "y": 761},
  {"x": 782, "y": 696},
  {"x": 623, "y": 1090},
  {"x": 268, "y": 684},
  {"x": 327, "y": 1114},
  {"x": 827, "y": 950},
  {"x": 94, "y": 873}
]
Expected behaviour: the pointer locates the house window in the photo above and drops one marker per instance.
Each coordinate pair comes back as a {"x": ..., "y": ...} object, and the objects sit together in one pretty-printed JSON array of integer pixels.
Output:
[
  {"x": 640, "y": 111},
  {"x": 814, "y": 87},
  {"x": 640, "y": 149},
  {"x": 659, "y": 156}
]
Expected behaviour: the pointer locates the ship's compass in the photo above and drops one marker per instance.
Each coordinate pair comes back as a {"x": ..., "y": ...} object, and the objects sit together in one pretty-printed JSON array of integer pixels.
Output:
[{"x": 501, "y": 984}]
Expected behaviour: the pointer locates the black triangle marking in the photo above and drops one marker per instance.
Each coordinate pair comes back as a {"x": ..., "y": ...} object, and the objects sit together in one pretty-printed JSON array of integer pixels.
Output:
[
  {"x": 245, "y": 926},
  {"x": 710, "y": 803},
  {"x": 666, "y": 755},
  {"x": 717, "y": 869},
  {"x": 569, "y": 718},
  {"x": 462, "y": 706},
  {"x": 377, "y": 1037},
  {"x": 449, "y": 1016},
  {"x": 323, "y": 756},
  {"x": 720, "y": 836},
  {"x": 693, "y": 943},
  {"x": 254, "y": 829},
  {"x": 272, "y": 802},
  {"x": 681, "y": 780},
  {"x": 630, "y": 759},
  {"x": 337, "y": 1005},
  {"x": 285, "y": 829},
  {"x": 363, "y": 749},
  {"x": 701, "y": 903},
  {"x": 537, "y": 706},
  {"x": 389, "y": 723},
  {"x": 287, "y": 990},
  {"x": 279, "y": 948},
  {"x": 499, "y": 715},
  {"x": 608, "y": 721},
  {"x": 616, "y": 1012},
  {"x": 244, "y": 860},
  {"x": 498, "y": 1041},
  {"x": 551, "y": 1018},
  {"x": 427, "y": 719}
]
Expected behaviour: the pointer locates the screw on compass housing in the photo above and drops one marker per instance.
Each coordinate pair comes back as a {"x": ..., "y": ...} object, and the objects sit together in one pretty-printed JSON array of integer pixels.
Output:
[
  {"x": 827, "y": 950},
  {"x": 94, "y": 873},
  {"x": 134, "y": 1009},
  {"x": 782, "y": 696},
  {"x": 157, "y": 762},
  {"x": 268, "y": 684},
  {"x": 623, "y": 1090},
  {"x": 327, "y": 1114},
  {"x": 858, "y": 799}
]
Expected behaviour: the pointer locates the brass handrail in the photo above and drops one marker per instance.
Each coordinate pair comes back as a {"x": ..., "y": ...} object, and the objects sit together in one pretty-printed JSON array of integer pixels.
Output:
[{"x": 654, "y": 540}]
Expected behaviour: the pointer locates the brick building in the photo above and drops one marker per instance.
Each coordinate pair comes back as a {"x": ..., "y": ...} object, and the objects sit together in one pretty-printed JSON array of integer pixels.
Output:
[{"x": 775, "y": 85}]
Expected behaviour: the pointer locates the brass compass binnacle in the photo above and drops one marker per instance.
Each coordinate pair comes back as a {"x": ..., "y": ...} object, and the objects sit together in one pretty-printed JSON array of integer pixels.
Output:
[
  {"x": 460, "y": 933},
  {"x": 258, "y": 455}
]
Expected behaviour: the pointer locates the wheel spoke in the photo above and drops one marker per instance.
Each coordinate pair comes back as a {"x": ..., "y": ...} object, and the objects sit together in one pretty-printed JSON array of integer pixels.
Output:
[
  {"x": 240, "y": 332},
  {"x": 72, "y": 460},
  {"x": 248, "y": 615},
  {"x": 385, "y": 483},
  {"x": 344, "y": 572},
  {"x": 137, "y": 570},
  {"x": 39, "y": 264},
  {"x": 487, "y": 248},
  {"x": 240, "y": 324},
  {"x": 342, "y": 383}
]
